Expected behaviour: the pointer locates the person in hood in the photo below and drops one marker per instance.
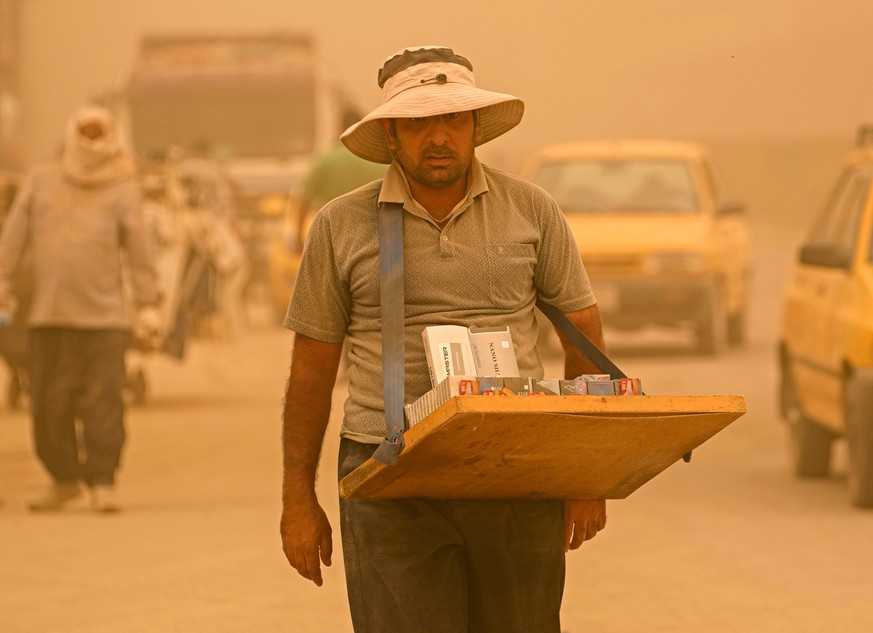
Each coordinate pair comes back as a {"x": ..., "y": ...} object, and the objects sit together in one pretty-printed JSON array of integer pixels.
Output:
[{"x": 77, "y": 215}]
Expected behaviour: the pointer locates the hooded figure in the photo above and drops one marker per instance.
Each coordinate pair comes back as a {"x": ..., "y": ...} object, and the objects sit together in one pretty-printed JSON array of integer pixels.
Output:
[
  {"x": 93, "y": 151},
  {"x": 78, "y": 216}
]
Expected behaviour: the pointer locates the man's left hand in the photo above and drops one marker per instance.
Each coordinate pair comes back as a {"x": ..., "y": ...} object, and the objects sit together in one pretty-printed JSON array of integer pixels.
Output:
[
  {"x": 583, "y": 519},
  {"x": 147, "y": 328}
]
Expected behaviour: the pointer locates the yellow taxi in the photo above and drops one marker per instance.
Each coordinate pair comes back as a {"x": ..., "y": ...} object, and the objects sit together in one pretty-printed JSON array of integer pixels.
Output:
[
  {"x": 826, "y": 347},
  {"x": 660, "y": 241}
]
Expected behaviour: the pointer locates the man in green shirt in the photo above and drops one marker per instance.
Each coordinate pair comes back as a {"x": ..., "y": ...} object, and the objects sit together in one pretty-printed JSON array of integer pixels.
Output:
[{"x": 335, "y": 172}]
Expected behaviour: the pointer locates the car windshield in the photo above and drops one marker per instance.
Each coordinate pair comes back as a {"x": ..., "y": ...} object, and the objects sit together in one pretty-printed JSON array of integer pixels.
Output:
[{"x": 636, "y": 185}]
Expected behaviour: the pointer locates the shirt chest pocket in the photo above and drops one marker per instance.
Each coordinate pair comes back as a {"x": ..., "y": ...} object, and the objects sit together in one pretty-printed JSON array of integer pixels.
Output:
[{"x": 511, "y": 273}]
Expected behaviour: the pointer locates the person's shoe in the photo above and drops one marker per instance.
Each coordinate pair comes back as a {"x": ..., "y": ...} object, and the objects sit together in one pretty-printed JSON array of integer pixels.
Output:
[
  {"x": 56, "y": 497},
  {"x": 104, "y": 499}
]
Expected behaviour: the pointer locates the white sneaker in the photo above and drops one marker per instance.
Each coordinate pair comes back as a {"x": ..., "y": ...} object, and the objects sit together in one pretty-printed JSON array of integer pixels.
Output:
[
  {"x": 104, "y": 499},
  {"x": 56, "y": 497}
]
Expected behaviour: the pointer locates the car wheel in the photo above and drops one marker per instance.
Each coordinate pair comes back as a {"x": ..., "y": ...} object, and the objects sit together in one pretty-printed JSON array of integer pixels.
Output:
[
  {"x": 810, "y": 442},
  {"x": 736, "y": 328},
  {"x": 859, "y": 432},
  {"x": 711, "y": 328}
]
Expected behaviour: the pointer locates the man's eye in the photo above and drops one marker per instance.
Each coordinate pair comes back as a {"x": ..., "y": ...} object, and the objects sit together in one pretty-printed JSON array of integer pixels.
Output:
[
  {"x": 415, "y": 119},
  {"x": 453, "y": 115}
]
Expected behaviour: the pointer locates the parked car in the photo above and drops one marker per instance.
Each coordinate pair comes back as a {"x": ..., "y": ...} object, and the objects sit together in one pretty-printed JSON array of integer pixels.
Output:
[
  {"x": 826, "y": 347},
  {"x": 661, "y": 243}
]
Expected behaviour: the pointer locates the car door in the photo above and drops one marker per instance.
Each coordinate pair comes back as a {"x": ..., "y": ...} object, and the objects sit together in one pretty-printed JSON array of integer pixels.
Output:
[
  {"x": 824, "y": 277},
  {"x": 732, "y": 237}
]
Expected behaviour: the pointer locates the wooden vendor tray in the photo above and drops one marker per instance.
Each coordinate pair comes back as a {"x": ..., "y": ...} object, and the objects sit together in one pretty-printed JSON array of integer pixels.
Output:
[{"x": 560, "y": 447}]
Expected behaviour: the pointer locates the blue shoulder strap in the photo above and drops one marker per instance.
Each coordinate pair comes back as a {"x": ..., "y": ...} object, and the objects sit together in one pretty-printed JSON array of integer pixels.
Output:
[{"x": 393, "y": 332}]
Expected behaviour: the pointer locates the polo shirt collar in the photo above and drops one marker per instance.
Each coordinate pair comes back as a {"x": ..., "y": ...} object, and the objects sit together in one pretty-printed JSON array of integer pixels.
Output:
[{"x": 396, "y": 189}]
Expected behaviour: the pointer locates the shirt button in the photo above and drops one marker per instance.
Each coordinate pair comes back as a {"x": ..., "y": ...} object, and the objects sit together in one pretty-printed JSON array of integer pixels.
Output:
[{"x": 445, "y": 238}]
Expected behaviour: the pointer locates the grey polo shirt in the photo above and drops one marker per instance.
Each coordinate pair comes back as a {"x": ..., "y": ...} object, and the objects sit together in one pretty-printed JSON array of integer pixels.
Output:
[{"x": 505, "y": 244}]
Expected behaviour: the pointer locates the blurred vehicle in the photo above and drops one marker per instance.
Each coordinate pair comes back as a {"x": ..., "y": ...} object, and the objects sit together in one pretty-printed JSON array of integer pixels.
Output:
[
  {"x": 660, "y": 243},
  {"x": 826, "y": 347},
  {"x": 260, "y": 103}
]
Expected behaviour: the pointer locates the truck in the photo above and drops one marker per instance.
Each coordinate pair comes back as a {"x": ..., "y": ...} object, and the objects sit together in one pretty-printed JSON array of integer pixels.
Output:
[{"x": 259, "y": 104}]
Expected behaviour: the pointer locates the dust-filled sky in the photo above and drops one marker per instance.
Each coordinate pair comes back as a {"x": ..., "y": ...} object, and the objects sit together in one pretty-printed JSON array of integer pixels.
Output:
[{"x": 701, "y": 69}]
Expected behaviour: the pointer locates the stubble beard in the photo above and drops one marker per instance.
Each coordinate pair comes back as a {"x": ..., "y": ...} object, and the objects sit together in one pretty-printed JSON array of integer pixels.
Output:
[{"x": 430, "y": 176}]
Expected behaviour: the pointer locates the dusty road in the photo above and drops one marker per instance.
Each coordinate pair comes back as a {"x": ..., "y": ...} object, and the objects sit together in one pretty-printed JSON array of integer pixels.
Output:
[{"x": 727, "y": 543}]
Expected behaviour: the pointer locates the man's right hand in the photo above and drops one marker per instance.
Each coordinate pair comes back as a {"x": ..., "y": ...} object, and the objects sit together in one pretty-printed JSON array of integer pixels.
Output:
[{"x": 306, "y": 538}]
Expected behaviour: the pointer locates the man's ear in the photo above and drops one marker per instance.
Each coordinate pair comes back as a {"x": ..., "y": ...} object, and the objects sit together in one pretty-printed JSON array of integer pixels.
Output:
[
  {"x": 477, "y": 127},
  {"x": 390, "y": 139}
]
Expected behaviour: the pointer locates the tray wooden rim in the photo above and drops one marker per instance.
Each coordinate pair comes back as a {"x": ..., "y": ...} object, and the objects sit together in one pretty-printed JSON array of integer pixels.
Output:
[{"x": 586, "y": 406}]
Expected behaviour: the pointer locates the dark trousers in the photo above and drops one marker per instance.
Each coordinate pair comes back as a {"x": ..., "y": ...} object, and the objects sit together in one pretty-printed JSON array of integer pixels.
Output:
[
  {"x": 78, "y": 375},
  {"x": 433, "y": 566}
]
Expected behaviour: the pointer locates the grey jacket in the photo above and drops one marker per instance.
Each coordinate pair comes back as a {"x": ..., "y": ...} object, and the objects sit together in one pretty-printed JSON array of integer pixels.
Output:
[{"x": 79, "y": 237}]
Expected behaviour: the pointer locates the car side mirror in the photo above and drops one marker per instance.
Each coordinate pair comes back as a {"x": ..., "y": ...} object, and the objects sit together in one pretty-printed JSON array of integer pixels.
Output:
[
  {"x": 826, "y": 256},
  {"x": 731, "y": 207}
]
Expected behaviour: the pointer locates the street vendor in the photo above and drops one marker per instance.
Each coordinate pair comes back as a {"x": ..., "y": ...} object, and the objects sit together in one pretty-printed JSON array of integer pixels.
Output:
[{"x": 480, "y": 247}]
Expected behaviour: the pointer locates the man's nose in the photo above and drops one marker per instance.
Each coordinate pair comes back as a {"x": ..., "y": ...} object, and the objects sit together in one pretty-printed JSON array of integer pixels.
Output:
[{"x": 437, "y": 130}]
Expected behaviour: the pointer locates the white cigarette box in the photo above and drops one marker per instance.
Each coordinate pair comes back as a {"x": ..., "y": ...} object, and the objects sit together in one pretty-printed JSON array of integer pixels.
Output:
[
  {"x": 493, "y": 352},
  {"x": 448, "y": 352}
]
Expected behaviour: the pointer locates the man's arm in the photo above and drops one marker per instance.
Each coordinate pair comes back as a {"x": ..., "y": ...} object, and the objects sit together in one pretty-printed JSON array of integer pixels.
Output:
[
  {"x": 137, "y": 243},
  {"x": 13, "y": 238},
  {"x": 576, "y": 363},
  {"x": 305, "y": 530},
  {"x": 583, "y": 518}
]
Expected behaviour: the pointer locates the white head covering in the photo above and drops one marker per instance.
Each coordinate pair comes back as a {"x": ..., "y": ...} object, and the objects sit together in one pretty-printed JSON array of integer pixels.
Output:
[
  {"x": 96, "y": 161},
  {"x": 429, "y": 81}
]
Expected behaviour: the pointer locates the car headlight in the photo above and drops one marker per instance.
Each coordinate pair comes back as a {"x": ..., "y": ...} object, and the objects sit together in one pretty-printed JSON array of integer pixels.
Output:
[{"x": 675, "y": 263}]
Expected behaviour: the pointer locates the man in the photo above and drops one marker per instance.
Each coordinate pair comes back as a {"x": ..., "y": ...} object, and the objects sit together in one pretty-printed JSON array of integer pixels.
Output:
[
  {"x": 480, "y": 246},
  {"x": 335, "y": 172},
  {"x": 76, "y": 216}
]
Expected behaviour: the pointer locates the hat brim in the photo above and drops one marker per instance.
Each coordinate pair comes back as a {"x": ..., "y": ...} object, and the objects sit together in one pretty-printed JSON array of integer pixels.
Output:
[{"x": 498, "y": 113}]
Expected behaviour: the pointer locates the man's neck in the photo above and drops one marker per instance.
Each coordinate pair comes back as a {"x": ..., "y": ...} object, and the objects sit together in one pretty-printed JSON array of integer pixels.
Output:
[{"x": 439, "y": 202}]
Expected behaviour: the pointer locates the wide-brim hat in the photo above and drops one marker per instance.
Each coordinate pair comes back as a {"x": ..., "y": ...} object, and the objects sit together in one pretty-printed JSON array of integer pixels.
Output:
[{"x": 429, "y": 81}]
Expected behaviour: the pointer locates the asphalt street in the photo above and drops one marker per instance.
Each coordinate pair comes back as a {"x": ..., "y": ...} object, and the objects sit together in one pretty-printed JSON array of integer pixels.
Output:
[{"x": 730, "y": 542}]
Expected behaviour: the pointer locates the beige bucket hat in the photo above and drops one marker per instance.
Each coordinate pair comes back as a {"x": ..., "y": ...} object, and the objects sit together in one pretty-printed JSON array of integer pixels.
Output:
[{"x": 428, "y": 81}]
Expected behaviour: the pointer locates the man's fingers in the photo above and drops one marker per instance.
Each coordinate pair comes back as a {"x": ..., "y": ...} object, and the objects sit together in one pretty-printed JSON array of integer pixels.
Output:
[
  {"x": 568, "y": 533},
  {"x": 578, "y": 536},
  {"x": 313, "y": 567},
  {"x": 326, "y": 549}
]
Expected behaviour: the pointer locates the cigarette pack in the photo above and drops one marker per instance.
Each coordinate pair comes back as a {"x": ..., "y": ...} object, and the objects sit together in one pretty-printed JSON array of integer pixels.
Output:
[
  {"x": 595, "y": 377},
  {"x": 518, "y": 386},
  {"x": 493, "y": 353},
  {"x": 601, "y": 388},
  {"x": 628, "y": 387},
  {"x": 449, "y": 388},
  {"x": 448, "y": 352},
  {"x": 575, "y": 387},
  {"x": 490, "y": 386},
  {"x": 546, "y": 386}
]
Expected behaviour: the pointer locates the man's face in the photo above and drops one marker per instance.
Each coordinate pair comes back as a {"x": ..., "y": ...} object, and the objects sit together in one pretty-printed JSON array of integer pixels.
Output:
[
  {"x": 434, "y": 151},
  {"x": 91, "y": 129}
]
